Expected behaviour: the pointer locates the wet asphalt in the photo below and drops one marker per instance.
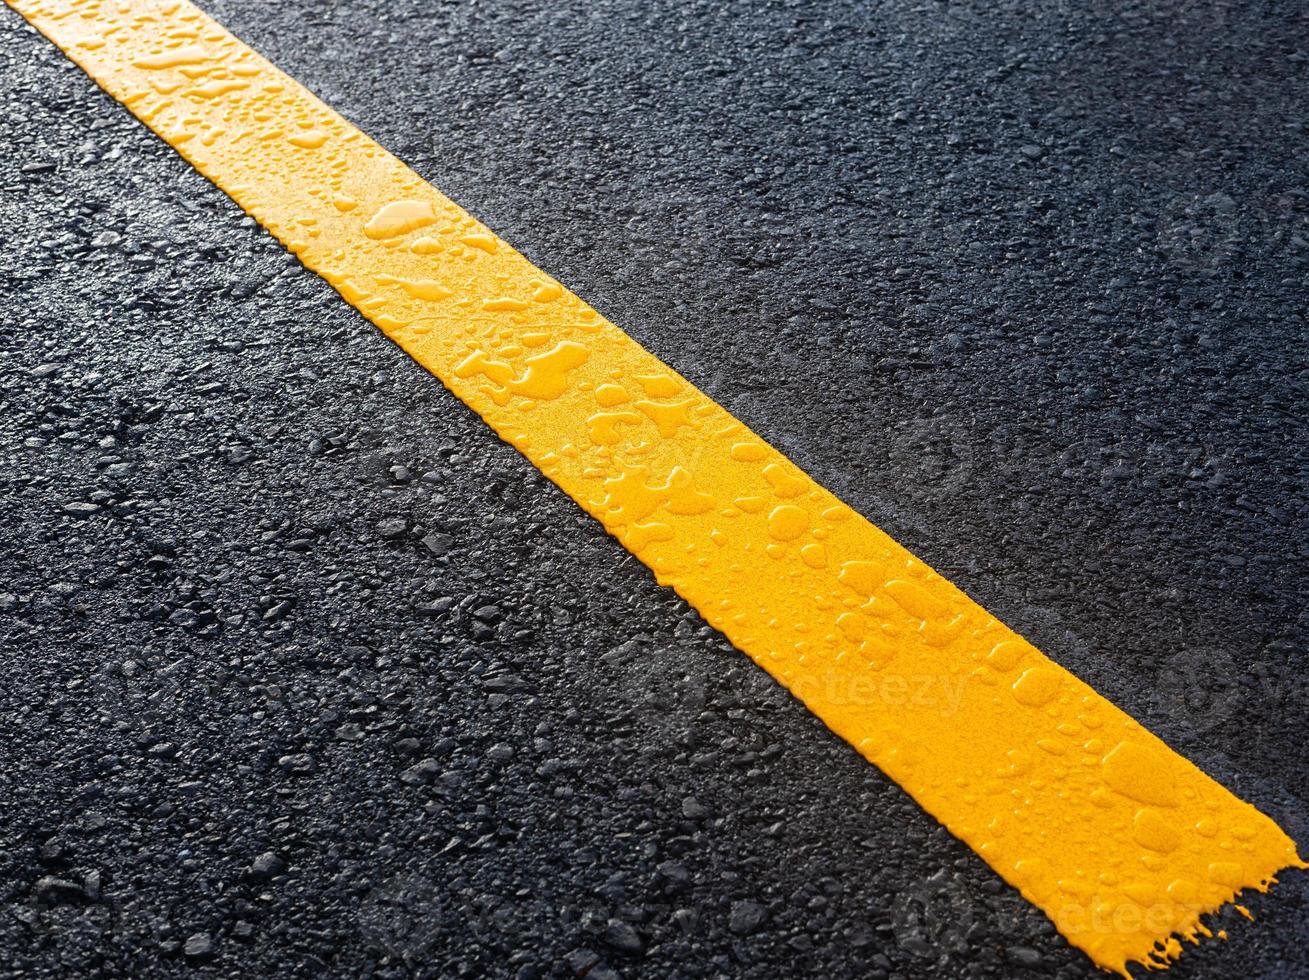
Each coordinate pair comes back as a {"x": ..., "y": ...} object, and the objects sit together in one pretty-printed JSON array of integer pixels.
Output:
[{"x": 305, "y": 674}]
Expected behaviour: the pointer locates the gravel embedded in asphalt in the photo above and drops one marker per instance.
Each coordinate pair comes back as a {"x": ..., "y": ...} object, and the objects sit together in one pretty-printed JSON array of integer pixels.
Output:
[{"x": 1024, "y": 284}]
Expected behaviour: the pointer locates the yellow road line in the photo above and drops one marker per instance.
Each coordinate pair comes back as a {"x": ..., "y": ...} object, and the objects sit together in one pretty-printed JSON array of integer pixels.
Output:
[{"x": 1122, "y": 842}]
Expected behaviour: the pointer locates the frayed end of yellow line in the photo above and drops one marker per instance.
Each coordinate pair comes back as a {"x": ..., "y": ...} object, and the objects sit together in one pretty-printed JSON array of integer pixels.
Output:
[{"x": 1166, "y": 951}]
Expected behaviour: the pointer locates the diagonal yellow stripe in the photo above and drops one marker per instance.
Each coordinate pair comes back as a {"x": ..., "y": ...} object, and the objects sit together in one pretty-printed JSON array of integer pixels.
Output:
[{"x": 1122, "y": 842}]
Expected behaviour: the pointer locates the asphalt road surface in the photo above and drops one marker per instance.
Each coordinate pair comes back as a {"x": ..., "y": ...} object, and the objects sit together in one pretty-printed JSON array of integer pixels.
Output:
[{"x": 305, "y": 673}]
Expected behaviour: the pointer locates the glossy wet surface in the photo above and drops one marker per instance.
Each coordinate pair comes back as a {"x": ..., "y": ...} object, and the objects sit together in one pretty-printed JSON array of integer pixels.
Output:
[{"x": 1194, "y": 664}]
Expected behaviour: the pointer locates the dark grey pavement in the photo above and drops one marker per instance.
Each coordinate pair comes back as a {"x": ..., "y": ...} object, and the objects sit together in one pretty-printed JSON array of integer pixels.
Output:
[{"x": 305, "y": 674}]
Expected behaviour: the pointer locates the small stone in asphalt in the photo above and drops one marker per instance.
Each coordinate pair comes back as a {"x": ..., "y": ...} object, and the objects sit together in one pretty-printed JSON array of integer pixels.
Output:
[
  {"x": 693, "y": 809},
  {"x": 1024, "y": 956},
  {"x": 505, "y": 683},
  {"x": 745, "y": 918},
  {"x": 488, "y": 613},
  {"x": 621, "y": 936},
  {"x": 52, "y": 890},
  {"x": 391, "y": 528},
  {"x": 438, "y": 544},
  {"x": 296, "y": 764},
  {"x": 266, "y": 866},
  {"x": 675, "y": 874},
  {"x": 421, "y": 772},
  {"x": 198, "y": 946},
  {"x": 581, "y": 961}
]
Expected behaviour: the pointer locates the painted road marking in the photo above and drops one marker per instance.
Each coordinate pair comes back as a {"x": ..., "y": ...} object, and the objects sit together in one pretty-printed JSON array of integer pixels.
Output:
[{"x": 1123, "y": 843}]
